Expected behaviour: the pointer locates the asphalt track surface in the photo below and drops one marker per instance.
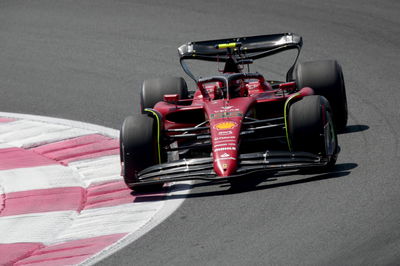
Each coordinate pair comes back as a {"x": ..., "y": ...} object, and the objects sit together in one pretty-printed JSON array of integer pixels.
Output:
[{"x": 85, "y": 60}]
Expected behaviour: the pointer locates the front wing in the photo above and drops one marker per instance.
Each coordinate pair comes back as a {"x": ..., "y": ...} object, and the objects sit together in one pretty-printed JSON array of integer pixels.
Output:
[{"x": 202, "y": 168}]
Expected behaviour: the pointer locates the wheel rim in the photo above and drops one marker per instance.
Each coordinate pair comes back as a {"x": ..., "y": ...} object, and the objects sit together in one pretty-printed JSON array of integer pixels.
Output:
[{"x": 329, "y": 136}]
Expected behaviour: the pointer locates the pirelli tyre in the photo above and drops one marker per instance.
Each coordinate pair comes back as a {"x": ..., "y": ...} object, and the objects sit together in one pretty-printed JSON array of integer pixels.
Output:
[
  {"x": 325, "y": 77},
  {"x": 153, "y": 90},
  {"x": 138, "y": 149},
  {"x": 311, "y": 129}
]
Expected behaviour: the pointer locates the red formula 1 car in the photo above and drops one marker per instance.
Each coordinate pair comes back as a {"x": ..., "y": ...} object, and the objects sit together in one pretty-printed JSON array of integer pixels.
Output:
[{"x": 236, "y": 122}]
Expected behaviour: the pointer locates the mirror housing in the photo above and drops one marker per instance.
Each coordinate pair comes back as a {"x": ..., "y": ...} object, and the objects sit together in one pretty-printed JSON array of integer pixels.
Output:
[{"x": 171, "y": 98}]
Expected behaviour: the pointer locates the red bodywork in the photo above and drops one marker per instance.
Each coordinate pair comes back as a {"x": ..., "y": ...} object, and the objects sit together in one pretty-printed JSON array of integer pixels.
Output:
[{"x": 225, "y": 115}]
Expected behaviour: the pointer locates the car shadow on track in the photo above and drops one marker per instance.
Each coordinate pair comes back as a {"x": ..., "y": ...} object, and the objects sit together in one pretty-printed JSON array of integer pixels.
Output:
[
  {"x": 256, "y": 182},
  {"x": 354, "y": 129},
  {"x": 295, "y": 178}
]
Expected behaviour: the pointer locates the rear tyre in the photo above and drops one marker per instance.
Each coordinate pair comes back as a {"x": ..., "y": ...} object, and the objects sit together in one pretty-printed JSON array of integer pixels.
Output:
[
  {"x": 325, "y": 77},
  {"x": 138, "y": 149},
  {"x": 311, "y": 129},
  {"x": 153, "y": 90}
]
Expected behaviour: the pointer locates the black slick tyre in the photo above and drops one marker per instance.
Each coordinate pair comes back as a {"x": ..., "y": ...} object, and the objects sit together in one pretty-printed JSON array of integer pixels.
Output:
[
  {"x": 311, "y": 128},
  {"x": 138, "y": 149},
  {"x": 325, "y": 77},
  {"x": 153, "y": 90}
]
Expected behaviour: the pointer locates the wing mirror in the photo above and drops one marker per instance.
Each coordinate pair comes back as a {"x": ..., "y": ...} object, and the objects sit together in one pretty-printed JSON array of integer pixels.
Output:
[{"x": 171, "y": 98}]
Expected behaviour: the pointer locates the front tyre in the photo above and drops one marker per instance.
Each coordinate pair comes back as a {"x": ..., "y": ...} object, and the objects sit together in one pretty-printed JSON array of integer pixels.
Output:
[
  {"x": 138, "y": 149},
  {"x": 311, "y": 128}
]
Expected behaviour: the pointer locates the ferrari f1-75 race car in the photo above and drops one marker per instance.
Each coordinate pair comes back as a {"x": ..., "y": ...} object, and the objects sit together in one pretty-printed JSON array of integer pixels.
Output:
[{"x": 237, "y": 122}]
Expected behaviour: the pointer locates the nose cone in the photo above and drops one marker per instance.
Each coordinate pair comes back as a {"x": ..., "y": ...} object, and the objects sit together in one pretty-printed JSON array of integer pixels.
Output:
[
  {"x": 225, "y": 163},
  {"x": 225, "y": 136},
  {"x": 225, "y": 117},
  {"x": 225, "y": 147}
]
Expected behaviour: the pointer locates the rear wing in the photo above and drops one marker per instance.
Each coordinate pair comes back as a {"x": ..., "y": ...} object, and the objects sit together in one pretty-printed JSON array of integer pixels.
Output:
[
  {"x": 252, "y": 47},
  {"x": 243, "y": 48}
]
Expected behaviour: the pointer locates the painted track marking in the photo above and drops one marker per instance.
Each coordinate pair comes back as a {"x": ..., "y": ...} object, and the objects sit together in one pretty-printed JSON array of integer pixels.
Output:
[{"x": 66, "y": 203}]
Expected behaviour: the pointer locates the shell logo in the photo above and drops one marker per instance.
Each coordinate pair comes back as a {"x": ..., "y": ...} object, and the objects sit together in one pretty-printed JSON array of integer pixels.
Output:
[{"x": 225, "y": 125}]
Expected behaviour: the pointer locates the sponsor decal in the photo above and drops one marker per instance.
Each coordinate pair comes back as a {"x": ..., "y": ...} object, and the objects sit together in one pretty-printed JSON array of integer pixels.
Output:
[
  {"x": 215, "y": 116},
  {"x": 225, "y": 166},
  {"x": 224, "y": 133},
  {"x": 226, "y": 144},
  {"x": 227, "y": 107},
  {"x": 226, "y": 115},
  {"x": 228, "y": 137},
  {"x": 225, "y": 125},
  {"x": 225, "y": 149},
  {"x": 230, "y": 141},
  {"x": 226, "y": 158},
  {"x": 225, "y": 155},
  {"x": 224, "y": 110}
]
